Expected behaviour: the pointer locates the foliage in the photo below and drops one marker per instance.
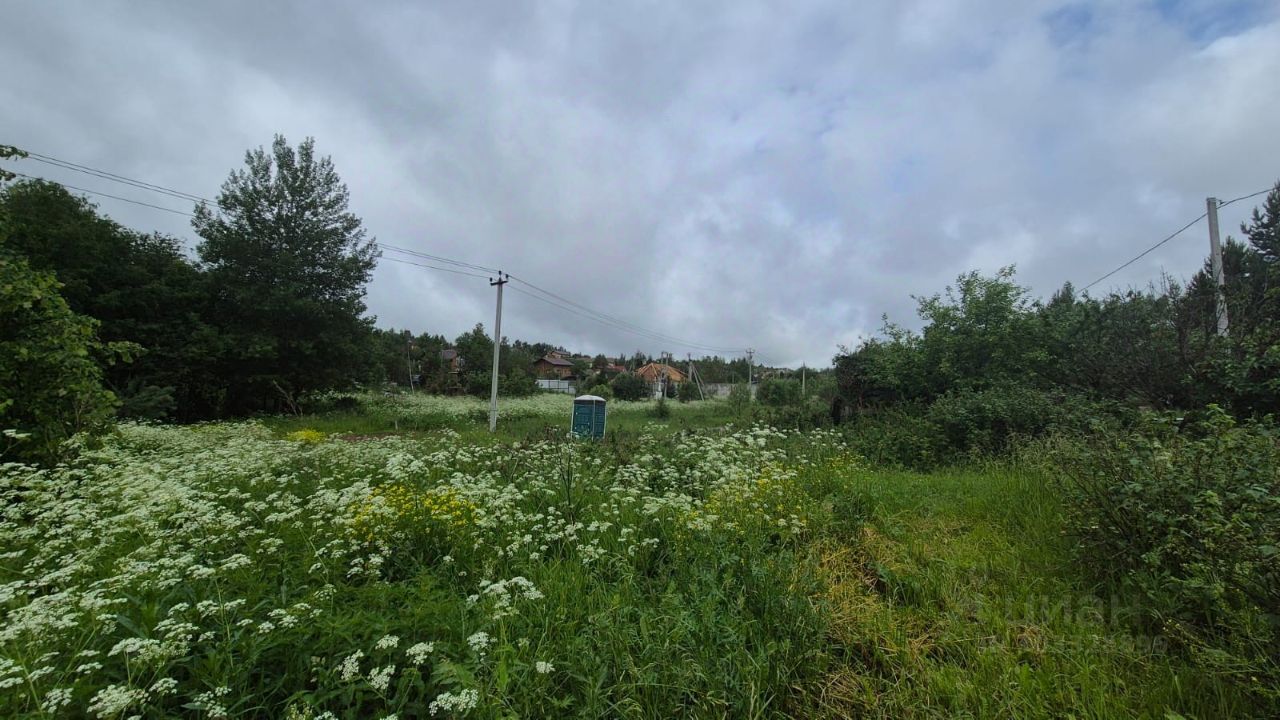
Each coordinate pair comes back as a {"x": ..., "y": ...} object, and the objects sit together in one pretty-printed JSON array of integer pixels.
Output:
[
  {"x": 987, "y": 421},
  {"x": 661, "y": 409},
  {"x": 629, "y": 387},
  {"x": 603, "y": 391},
  {"x": 1190, "y": 520},
  {"x": 140, "y": 288},
  {"x": 898, "y": 436},
  {"x": 289, "y": 264},
  {"x": 688, "y": 392},
  {"x": 399, "y": 575},
  {"x": 50, "y": 386},
  {"x": 777, "y": 392},
  {"x": 740, "y": 399}
]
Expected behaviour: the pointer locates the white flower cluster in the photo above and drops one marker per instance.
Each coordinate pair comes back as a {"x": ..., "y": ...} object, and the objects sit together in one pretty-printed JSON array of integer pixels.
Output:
[{"x": 460, "y": 702}]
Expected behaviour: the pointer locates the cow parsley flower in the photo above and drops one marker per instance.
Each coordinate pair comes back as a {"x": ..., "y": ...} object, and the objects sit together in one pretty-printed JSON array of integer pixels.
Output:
[
  {"x": 418, "y": 652},
  {"x": 459, "y": 703}
]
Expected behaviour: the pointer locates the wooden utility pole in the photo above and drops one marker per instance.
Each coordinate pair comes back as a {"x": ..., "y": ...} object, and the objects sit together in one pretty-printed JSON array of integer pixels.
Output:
[
  {"x": 1215, "y": 259},
  {"x": 497, "y": 348}
]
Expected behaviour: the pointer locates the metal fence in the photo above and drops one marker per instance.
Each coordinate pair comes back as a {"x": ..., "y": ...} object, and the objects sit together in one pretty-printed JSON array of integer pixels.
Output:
[{"x": 560, "y": 386}]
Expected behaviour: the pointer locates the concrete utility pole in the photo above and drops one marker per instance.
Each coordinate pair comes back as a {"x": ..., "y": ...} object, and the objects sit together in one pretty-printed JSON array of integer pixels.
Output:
[
  {"x": 408, "y": 348},
  {"x": 497, "y": 347},
  {"x": 750, "y": 381},
  {"x": 802, "y": 378},
  {"x": 1215, "y": 258}
]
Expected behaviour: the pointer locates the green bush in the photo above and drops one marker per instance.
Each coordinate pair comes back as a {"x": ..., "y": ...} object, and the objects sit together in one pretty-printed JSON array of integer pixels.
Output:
[
  {"x": 629, "y": 387},
  {"x": 661, "y": 409},
  {"x": 776, "y": 392},
  {"x": 1190, "y": 519},
  {"x": 803, "y": 414},
  {"x": 740, "y": 399},
  {"x": 603, "y": 391},
  {"x": 50, "y": 386},
  {"x": 897, "y": 437},
  {"x": 688, "y": 392},
  {"x": 985, "y": 421}
]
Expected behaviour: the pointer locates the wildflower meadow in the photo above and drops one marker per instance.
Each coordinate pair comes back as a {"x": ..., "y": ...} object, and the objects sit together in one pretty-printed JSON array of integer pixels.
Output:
[{"x": 227, "y": 571}]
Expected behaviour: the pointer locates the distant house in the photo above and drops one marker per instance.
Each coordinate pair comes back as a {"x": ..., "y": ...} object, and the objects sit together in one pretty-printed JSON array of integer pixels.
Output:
[
  {"x": 654, "y": 372},
  {"x": 451, "y": 359},
  {"x": 660, "y": 377},
  {"x": 553, "y": 366}
]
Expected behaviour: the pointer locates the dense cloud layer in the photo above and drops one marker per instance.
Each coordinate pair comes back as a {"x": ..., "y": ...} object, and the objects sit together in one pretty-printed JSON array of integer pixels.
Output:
[{"x": 737, "y": 174}]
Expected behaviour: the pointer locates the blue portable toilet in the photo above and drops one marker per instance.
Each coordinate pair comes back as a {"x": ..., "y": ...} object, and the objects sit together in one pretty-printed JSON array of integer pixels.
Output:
[{"x": 588, "y": 417}]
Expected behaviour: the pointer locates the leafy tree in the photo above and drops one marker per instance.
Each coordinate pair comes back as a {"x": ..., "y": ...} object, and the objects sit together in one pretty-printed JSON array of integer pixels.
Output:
[
  {"x": 50, "y": 385},
  {"x": 140, "y": 288},
  {"x": 288, "y": 263}
]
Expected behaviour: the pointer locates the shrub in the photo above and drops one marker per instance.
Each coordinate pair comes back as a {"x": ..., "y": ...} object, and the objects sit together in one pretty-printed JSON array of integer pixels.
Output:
[
  {"x": 986, "y": 421},
  {"x": 899, "y": 437},
  {"x": 804, "y": 414},
  {"x": 603, "y": 391},
  {"x": 1190, "y": 519},
  {"x": 688, "y": 392},
  {"x": 629, "y": 387},
  {"x": 661, "y": 410},
  {"x": 776, "y": 392},
  {"x": 50, "y": 386},
  {"x": 739, "y": 399}
]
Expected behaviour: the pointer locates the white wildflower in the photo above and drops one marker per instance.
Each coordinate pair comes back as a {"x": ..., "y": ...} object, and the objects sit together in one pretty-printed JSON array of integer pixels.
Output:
[{"x": 418, "y": 652}]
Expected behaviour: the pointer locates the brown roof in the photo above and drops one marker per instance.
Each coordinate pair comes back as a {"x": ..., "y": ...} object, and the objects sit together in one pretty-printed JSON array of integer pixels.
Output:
[
  {"x": 554, "y": 361},
  {"x": 653, "y": 371}
]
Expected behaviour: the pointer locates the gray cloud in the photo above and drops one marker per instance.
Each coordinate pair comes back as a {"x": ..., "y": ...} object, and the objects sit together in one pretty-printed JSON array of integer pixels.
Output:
[{"x": 737, "y": 174}]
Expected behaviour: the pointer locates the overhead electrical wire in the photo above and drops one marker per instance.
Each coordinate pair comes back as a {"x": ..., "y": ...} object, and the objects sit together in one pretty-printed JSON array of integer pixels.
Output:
[
  {"x": 602, "y": 321},
  {"x": 1143, "y": 254},
  {"x": 1246, "y": 197},
  {"x": 626, "y": 324},
  {"x": 96, "y": 192},
  {"x": 106, "y": 175},
  {"x": 1176, "y": 233},
  {"x": 434, "y": 267}
]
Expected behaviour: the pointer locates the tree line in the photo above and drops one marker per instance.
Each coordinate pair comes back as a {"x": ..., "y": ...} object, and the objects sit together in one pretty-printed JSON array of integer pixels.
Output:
[
  {"x": 991, "y": 362},
  {"x": 98, "y": 320}
]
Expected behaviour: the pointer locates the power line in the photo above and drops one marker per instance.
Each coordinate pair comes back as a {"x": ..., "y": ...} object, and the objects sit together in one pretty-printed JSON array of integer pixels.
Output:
[
  {"x": 602, "y": 321},
  {"x": 437, "y": 258},
  {"x": 433, "y": 267},
  {"x": 1246, "y": 197},
  {"x": 96, "y": 192},
  {"x": 1180, "y": 230},
  {"x": 106, "y": 175},
  {"x": 568, "y": 305},
  {"x": 626, "y": 324}
]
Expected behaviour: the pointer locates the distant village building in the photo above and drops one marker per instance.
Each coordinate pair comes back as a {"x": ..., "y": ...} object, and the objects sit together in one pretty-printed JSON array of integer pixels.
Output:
[
  {"x": 660, "y": 376},
  {"x": 451, "y": 359},
  {"x": 552, "y": 366},
  {"x": 654, "y": 372}
]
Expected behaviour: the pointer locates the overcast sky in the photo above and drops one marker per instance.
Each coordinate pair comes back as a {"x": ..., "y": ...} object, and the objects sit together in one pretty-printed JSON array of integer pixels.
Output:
[{"x": 736, "y": 174}]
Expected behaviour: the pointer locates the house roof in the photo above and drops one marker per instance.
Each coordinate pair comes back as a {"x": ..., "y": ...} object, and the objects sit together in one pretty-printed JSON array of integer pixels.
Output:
[
  {"x": 653, "y": 371},
  {"x": 554, "y": 361}
]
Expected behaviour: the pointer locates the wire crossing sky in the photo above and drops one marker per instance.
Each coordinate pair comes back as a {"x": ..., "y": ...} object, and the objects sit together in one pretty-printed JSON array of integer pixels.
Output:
[{"x": 730, "y": 174}]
